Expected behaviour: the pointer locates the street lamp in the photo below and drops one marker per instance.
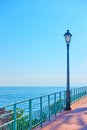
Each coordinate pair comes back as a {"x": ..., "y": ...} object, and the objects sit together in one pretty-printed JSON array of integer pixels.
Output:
[{"x": 68, "y": 36}]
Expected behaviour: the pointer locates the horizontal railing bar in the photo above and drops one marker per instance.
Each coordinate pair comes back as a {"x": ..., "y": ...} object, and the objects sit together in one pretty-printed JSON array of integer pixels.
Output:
[
  {"x": 28, "y": 100},
  {"x": 36, "y": 98},
  {"x": 6, "y": 114},
  {"x": 6, "y": 123},
  {"x": 7, "y": 105},
  {"x": 9, "y": 122}
]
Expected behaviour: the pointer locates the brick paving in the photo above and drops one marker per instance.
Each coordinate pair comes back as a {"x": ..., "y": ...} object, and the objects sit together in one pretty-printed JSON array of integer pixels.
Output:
[{"x": 76, "y": 119}]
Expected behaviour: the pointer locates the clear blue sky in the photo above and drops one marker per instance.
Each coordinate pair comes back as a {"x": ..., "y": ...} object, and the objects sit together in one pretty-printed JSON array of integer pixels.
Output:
[{"x": 32, "y": 45}]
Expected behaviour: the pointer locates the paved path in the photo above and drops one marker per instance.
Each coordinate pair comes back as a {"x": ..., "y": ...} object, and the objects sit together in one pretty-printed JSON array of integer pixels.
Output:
[{"x": 76, "y": 119}]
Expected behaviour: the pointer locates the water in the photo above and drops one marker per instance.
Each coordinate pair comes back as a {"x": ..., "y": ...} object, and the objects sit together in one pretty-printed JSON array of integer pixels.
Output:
[{"x": 10, "y": 95}]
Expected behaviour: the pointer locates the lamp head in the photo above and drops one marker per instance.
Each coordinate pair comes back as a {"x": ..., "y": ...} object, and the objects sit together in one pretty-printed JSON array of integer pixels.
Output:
[{"x": 67, "y": 36}]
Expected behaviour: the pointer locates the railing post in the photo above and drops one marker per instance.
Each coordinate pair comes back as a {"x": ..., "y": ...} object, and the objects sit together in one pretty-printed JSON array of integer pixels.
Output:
[
  {"x": 41, "y": 113},
  {"x": 71, "y": 95},
  {"x": 79, "y": 92},
  {"x": 30, "y": 114},
  {"x": 64, "y": 98},
  {"x": 76, "y": 93},
  {"x": 60, "y": 100},
  {"x": 74, "y": 96},
  {"x": 82, "y": 91},
  {"x": 85, "y": 90},
  {"x": 15, "y": 115},
  {"x": 49, "y": 107},
  {"x": 55, "y": 103}
]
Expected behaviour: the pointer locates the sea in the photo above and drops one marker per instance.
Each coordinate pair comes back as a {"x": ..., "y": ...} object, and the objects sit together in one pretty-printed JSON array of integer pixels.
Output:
[{"x": 10, "y": 95}]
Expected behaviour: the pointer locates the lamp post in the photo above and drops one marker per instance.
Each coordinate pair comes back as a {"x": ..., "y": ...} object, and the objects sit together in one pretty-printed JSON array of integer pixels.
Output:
[{"x": 68, "y": 36}]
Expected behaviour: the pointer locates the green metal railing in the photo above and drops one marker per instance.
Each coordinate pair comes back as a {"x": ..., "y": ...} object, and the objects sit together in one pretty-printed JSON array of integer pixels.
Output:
[{"x": 27, "y": 114}]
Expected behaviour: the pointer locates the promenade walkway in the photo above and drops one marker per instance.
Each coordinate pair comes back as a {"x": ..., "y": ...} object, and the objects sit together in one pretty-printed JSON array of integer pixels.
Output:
[{"x": 76, "y": 119}]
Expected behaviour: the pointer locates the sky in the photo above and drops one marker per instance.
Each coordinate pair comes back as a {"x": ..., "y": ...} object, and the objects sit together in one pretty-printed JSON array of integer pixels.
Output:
[{"x": 32, "y": 45}]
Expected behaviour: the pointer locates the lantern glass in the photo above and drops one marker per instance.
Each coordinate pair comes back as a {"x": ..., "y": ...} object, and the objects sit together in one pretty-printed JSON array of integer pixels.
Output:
[{"x": 67, "y": 38}]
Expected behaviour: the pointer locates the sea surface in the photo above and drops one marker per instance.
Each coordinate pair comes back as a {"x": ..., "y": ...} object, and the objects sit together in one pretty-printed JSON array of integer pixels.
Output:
[{"x": 10, "y": 95}]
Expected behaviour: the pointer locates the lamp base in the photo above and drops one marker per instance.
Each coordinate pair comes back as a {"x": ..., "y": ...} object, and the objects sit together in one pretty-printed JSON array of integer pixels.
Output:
[{"x": 67, "y": 109}]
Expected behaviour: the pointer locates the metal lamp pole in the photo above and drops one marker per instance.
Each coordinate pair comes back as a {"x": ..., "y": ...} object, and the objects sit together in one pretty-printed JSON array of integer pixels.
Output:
[{"x": 68, "y": 98}]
